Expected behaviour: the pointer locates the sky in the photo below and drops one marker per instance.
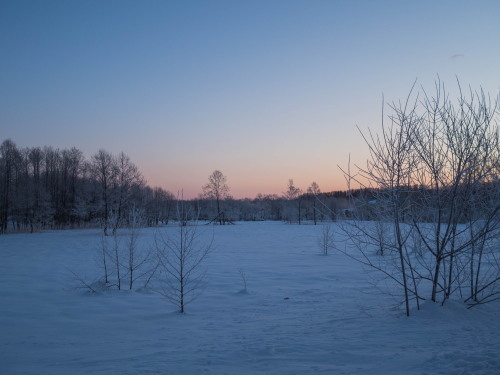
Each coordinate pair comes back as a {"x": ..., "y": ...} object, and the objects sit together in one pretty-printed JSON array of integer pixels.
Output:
[{"x": 264, "y": 91}]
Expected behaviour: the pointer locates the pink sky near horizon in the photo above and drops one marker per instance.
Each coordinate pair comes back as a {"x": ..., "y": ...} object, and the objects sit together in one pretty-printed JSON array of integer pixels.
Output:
[{"x": 247, "y": 186}]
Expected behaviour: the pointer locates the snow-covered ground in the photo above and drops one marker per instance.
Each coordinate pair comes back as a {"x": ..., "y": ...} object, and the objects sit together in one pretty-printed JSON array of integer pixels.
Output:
[{"x": 304, "y": 313}]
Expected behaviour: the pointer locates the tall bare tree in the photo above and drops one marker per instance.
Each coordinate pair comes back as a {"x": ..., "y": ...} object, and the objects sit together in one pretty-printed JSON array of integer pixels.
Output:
[
  {"x": 218, "y": 190},
  {"x": 8, "y": 156},
  {"x": 314, "y": 191},
  {"x": 105, "y": 171},
  {"x": 293, "y": 195},
  {"x": 128, "y": 180}
]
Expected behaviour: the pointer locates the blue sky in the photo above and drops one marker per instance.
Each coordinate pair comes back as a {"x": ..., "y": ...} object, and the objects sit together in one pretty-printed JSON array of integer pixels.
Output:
[{"x": 262, "y": 90}]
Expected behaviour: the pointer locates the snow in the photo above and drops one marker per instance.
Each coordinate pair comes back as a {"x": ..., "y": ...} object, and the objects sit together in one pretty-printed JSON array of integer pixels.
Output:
[{"x": 303, "y": 313}]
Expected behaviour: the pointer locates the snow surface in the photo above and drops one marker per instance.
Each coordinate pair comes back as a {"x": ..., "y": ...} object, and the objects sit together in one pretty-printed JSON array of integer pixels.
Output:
[{"x": 304, "y": 313}]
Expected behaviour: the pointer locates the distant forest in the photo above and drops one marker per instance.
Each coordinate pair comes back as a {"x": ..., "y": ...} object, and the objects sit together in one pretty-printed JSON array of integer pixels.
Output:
[{"x": 50, "y": 188}]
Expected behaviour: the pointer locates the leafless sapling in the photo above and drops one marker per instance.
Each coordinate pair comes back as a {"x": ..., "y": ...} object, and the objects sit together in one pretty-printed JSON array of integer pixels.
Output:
[
  {"x": 326, "y": 239},
  {"x": 181, "y": 255}
]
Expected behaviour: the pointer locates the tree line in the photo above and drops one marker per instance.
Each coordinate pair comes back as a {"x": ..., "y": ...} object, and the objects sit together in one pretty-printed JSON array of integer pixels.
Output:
[{"x": 50, "y": 188}]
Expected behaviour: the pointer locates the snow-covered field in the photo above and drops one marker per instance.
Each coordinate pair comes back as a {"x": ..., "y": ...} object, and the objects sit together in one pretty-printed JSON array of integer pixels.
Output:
[{"x": 304, "y": 313}]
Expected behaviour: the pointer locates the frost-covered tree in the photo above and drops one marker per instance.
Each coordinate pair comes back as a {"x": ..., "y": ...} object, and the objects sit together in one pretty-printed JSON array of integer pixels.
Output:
[
  {"x": 53, "y": 188},
  {"x": 293, "y": 196},
  {"x": 158, "y": 205},
  {"x": 104, "y": 171},
  {"x": 313, "y": 192},
  {"x": 181, "y": 257},
  {"x": 8, "y": 156},
  {"x": 218, "y": 190},
  {"x": 128, "y": 182},
  {"x": 432, "y": 179}
]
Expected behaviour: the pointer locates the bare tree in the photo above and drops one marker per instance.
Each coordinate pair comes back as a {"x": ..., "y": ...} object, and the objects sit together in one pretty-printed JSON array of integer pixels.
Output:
[
  {"x": 35, "y": 160},
  {"x": 104, "y": 170},
  {"x": 180, "y": 260},
  {"x": 293, "y": 194},
  {"x": 158, "y": 205},
  {"x": 217, "y": 189},
  {"x": 387, "y": 172},
  {"x": 138, "y": 259},
  {"x": 128, "y": 180},
  {"x": 425, "y": 169},
  {"x": 8, "y": 155},
  {"x": 244, "y": 281},
  {"x": 103, "y": 258},
  {"x": 458, "y": 154},
  {"x": 117, "y": 259},
  {"x": 326, "y": 239},
  {"x": 313, "y": 191}
]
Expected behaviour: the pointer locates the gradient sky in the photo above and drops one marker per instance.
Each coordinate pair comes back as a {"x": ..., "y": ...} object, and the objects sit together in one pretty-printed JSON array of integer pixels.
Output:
[{"x": 264, "y": 91}]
